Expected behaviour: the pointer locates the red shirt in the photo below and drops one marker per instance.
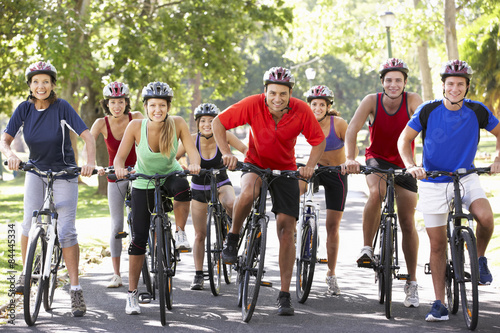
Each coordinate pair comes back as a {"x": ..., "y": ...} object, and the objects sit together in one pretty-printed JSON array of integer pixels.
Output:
[
  {"x": 385, "y": 131},
  {"x": 272, "y": 145},
  {"x": 112, "y": 144}
]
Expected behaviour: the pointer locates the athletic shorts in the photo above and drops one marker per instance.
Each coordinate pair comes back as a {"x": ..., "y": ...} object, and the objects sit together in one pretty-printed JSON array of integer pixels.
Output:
[
  {"x": 435, "y": 198},
  {"x": 335, "y": 185},
  {"x": 202, "y": 193},
  {"x": 405, "y": 181},
  {"x": 285, "y": 195}
]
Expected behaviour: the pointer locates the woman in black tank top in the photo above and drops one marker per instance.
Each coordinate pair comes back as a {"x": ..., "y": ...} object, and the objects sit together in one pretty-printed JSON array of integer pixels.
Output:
[{"x": 211, "y": 157}]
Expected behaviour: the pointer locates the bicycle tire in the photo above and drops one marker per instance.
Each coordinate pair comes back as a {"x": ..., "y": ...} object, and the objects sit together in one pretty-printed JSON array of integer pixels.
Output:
[
  {"x": 161, "y": 268},
  {"x": 213, "y": 249},
  {"x": 51, "y": 284},
  {"x": 227, "y": 269},
  {"x": 388, "y": 263},
  {"x": 307, "y": 260},
  {"x": 146, "y": 276},
  {"x": 171, "y": 256},
  {"x": 254, "y": 269},
  {"x": 379, "y": 260},
  {"x": 451, "y": 284},
  {"x": 33, "y": 282},
  {"x": 469, "y": 278}
]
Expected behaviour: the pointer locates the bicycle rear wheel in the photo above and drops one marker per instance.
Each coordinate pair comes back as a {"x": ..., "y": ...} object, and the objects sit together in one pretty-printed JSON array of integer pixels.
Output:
[
  {"x": 33, "y": 282},
  {"x": 469, "y": 278},
  {"x": 161, "y": 265},
  {"x": 387, "y": 265},
  {"x": 254, "y": 268},
  {"x": 171, "y": 265},
  {"x": 227, "y": 269},
  {"x": 214, "y": 248},
  {"x": 51, "y": 285},
  {"x": 307, "y": 260}
]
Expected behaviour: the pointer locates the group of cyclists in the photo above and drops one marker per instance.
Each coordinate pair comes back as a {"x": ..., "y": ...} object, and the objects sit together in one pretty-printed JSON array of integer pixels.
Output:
[{"x": 149, "y": 143}]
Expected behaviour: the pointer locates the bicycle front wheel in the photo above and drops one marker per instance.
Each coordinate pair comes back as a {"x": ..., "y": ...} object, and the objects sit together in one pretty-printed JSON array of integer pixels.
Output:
[
  {"x": 161, "y": 266},
  {"x": 307, "y": 259},
  {"x": 387, "y": 265},
  {"x": 254, "y": 268},
  {"x": 51, "y": 285},
  {"x": 451, "y": 284},
  {"x": 214, "y": 248},
  {"x": 225, "y": 227},
  {"x": 469, "y": 278},
  {"x": 33, "y": 281}
]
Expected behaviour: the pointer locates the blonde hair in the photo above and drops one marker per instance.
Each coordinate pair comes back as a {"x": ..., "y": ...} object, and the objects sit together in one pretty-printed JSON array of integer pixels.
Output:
[{"x": 167, "y": 137}]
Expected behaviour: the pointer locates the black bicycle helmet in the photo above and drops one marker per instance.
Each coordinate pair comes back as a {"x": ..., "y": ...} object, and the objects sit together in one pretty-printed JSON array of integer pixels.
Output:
[
  {"x": 157, "y": 90},
  {"x": 206, "y": 109}
]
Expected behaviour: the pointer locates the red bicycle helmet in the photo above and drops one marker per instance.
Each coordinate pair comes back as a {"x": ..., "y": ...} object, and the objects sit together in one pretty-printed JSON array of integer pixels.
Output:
[
  {"x": 279, "y": 75},
  {"x": 456, "y": 68},
  {"x": 116, "y": 90},
  {"x": 393, "y": 64},
  {"x": 322, "y": 92},
  {"x": 40, "y": 67}
]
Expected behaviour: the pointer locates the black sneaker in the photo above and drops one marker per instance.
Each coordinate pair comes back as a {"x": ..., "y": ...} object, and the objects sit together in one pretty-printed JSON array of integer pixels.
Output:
[
  {"x": 230, "y": 250},
  {"x": 20, "y": 285},
  {"x": 284, "y": 304},
  {"x": 197, "y": 283}
]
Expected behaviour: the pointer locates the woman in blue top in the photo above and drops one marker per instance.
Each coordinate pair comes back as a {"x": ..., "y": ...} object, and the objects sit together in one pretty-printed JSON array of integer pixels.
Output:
[
  {"x": 211, "y": 157},
  {"x": 156, "y": 143},
  {"x": 46, "y": 121},
  {"x": 320, "y": 99}
]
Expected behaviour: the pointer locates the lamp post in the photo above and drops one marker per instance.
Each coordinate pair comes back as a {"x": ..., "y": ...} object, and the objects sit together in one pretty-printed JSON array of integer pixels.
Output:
[
  {"x": 310, "y": 75},
  {"x": 387, "y": 20}
]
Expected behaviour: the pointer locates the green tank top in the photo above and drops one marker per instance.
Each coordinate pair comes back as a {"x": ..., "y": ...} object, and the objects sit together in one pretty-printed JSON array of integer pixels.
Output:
[{"x": 150, "y": 163}]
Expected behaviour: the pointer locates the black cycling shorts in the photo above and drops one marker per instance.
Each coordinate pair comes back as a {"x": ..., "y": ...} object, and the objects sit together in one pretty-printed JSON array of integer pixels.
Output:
[
  {"x": 335, "y": 185},
  {"x": 406, "y": 182}
]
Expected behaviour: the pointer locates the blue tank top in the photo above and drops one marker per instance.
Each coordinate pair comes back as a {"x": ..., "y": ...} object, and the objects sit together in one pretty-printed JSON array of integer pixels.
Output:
[{"x": 333, "y": 142}]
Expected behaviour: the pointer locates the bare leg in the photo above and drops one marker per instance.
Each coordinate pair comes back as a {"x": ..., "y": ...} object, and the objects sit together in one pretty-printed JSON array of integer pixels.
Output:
[
  {"x": 333, "y": 218},
  {"x": 437, "y": 238},
  {"x": 285, "y": 225}
]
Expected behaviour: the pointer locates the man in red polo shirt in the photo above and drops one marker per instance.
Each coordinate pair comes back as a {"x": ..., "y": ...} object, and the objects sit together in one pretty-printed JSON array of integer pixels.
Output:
[{"x": 276, "y": 119}]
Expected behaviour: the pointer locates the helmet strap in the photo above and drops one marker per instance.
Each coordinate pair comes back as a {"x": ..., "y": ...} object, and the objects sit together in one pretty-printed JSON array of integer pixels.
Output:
[
  {"x": 394, "y": 97},
  {"x": 206, "y": 137},
  {"x": 456, "y": 103}
]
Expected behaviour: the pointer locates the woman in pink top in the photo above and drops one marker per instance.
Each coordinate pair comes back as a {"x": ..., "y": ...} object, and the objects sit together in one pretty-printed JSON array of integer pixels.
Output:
[{"x": 116, "y": 106}]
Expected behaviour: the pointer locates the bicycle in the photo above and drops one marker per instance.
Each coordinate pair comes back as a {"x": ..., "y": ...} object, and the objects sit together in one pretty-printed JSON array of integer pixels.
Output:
[
  {"x": 462, "y": 267},
  {"x": 250, "y": 263},
  {"x": 44, "y": 252},
  {"x": 308, "y": 239},
  {"x": 218, "y": 225},
  {"x": 163, "y": 254},
  {"x": 386, "y": 261}
]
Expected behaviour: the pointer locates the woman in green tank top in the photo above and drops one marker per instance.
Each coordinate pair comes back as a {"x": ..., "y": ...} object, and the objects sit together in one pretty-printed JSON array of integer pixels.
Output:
[{"x": 156, "y": 141}]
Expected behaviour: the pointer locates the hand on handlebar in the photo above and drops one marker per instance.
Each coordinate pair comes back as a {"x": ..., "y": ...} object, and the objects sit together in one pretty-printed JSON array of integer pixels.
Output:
[
  {"x": 194, "y": 169},
  {"x": 306, "y": 172},
  {"x": 87, "y": 170},
  {"x": 230, "y": 161},
  {"x": 495, "y": 167},
  {"x": 417, "y": 172},
  {"x": 351, "y": 166}
]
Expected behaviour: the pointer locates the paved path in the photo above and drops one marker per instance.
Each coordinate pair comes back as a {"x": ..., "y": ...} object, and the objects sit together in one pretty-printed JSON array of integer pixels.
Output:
[{"x": 356, "y": 310}]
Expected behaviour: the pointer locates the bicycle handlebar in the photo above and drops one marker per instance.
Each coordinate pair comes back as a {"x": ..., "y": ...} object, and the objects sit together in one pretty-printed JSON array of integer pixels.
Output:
[
  {"x": 370, "y": 169},
  {"x": 459, "y": 172},
  {"x": 134, "y": 176},
  {"x": 74, "y": 171},
  {"x": 242, "y": 166}
]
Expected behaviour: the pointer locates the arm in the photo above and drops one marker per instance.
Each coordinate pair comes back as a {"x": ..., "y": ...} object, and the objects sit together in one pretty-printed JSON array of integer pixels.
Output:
[
  {"x": 96, "y": 129},
  {"x": 233, "y": 141},
  {"x": 404, "y": 146},
  {"x": 220, "y": 136},
  {"x": 137, "y": 115},
  {"x": 365, "y": 109},
  {"x": 12, "y": 159},
  {"x": 495, "y": 167},
  {"x": 314, "y": 156},
  {"x": 88, "y": 168},
  {"x": 189, "y": 146},
  {"x": 414, "y": 100},
  {"x": 132, "y": 134}
]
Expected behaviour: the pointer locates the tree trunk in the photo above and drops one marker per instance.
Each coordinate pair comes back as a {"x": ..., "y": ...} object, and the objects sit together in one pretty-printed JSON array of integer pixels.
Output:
[
  {"x": 423, "y": 64},
  {"x": 195, "y": 101},
  {"x": 450, "y": 29}
]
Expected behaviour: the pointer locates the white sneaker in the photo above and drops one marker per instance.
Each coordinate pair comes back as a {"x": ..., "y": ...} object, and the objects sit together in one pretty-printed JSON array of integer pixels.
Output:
[
  {"x": 116, "y": 281},
  {"x": 333, "y": 287},
  {"x": 181, "y": 241},
  {"x": 411, "y": 299},
  {"x": 365, "y": 257},
  {"x": 132, "y": 306}
]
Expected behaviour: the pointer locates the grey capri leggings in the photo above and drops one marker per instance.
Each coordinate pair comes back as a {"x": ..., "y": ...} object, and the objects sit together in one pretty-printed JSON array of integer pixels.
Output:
[
  {"x": 65, "y": 198},
  {"x": 116, "y": 202}
]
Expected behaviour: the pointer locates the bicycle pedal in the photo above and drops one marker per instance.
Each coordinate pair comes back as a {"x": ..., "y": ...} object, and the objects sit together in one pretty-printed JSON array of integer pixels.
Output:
[
  {"x": 366, "y": 264},
  {"x": 427, "y": 269},
  {"x": 184, "y": 250},
  {"x": 121, "y": 234},
  {"x": 405, "y": 277},
  {"x": 144, "y": 298},
  {"x": 323, "y": 261},
  {"x": 266, "y": 284}
]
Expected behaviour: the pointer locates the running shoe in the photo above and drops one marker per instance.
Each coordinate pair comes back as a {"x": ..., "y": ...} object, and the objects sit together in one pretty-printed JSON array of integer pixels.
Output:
[
  {"x": 485, "y": 276},
  {"x": 439, "y": 312},
  {"x": 20, "y": 285},
  {"x": 365, "y": 257},
  {"x": 116, "y": 281},
  {"x": 132, "y": 307},
  {"x": 197, "y": 283},
  {"x": 333, "y": 287},
  {"x": 411, "y": 291},
  {"x": 181, "y": 241},
  {"x": 230, "y": 250},
  {"x": 284, "y": 304},
  {"x": 78, "y": 307}
]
